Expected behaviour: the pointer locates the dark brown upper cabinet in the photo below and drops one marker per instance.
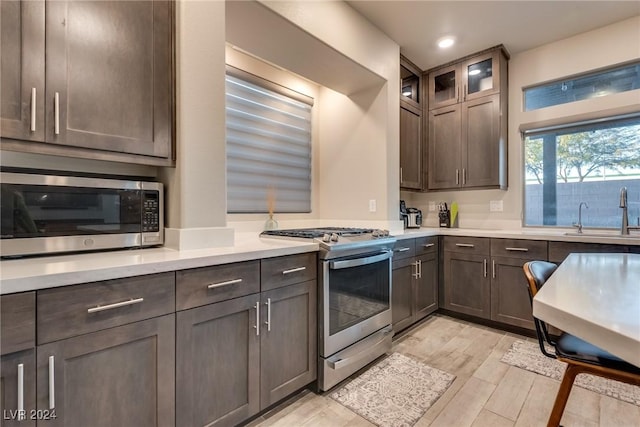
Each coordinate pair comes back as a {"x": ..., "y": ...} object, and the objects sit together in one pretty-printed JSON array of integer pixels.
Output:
[
  {"x": 108, "y": 89},
  {"x": 412, "y": 144},
  {"x": 467, "y": 124}
]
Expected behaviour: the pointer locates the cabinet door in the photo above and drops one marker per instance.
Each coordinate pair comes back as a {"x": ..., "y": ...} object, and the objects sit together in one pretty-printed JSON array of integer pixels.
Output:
[
  {"x": 482, "y": 151},
  {"x": 481, "y": 75},
  {"x": 123, "y": 376},
  {"x": 444, "y": 87},
  {"x": 402, "y": 311},
  {"x": 18, "y": 376},
  {"x": 410, "y": 150},
  {"x": 509, "y": 296},
  {"x": 426, "y": 285},
  {"x": 22, "y": 69},
  {"x": 109, "y": 75},
  {"x": 444, "y": 148},
  {"x": 467, "y": 284},
  {"x": 288, "y": 341},
  {"x": 217, "y": 362}
]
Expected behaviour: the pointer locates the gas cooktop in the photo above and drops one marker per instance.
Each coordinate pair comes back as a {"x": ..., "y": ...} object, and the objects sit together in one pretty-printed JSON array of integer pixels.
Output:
[{"x": 336, "y": 238}]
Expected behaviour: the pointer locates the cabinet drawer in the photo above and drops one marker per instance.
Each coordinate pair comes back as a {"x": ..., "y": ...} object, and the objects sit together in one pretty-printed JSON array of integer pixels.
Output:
[
  {"x": 18, "y": 322},
  {"x": 405, "y": 248},
  {"x": 426, "y": 245},
  {"x": 287, "y": 270},
  {"x": 207, "y": 285},
  {"x": 558, "y": 251},
  {"x": 467, "y": 244},
  {"x": 74, "y": 310},
  {"x": 517, "y": 248}
]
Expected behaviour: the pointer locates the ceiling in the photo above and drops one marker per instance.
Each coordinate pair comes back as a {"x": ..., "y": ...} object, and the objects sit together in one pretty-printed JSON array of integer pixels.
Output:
[{"x": 518, "y": 25}]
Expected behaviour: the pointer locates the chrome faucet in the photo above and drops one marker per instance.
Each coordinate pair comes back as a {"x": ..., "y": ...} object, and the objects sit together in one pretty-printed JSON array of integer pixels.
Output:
[
  {"x": 624, "y": 229},
  {"x": 579, "y": 224}
]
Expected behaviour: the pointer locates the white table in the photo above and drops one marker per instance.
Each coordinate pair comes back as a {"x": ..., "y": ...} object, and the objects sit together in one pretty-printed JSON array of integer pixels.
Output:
[{"x": 596, "y": 297}]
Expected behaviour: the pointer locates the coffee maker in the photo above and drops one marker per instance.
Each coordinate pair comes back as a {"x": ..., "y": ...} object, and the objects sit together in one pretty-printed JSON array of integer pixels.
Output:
[{"x": 412, "y": 217}]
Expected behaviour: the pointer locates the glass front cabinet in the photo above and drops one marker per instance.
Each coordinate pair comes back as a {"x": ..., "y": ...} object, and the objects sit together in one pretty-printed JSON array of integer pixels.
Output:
[{"x": 470, "y": 79}]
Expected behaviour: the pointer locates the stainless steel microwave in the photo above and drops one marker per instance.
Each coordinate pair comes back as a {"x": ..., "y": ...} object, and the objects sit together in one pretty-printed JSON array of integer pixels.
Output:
[{"x": 44, "y": 214}]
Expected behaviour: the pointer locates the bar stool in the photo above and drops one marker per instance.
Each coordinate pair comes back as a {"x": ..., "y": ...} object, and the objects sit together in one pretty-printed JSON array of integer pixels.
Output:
[{"x": 580, "y": 356}]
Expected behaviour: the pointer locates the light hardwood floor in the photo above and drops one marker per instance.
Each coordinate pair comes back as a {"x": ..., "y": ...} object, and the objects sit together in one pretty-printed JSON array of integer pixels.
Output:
[{"x": 486, "y": 392}]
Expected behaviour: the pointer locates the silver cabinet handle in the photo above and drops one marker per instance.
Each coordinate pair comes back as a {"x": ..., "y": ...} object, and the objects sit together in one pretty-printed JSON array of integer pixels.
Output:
[
  {"x": 457, "y": 176},
  {"x": 517, "y": 249},
  {"x": 493, "y": 268},
  {"x": 268, "y": 322},
  {"x": 114, "y": 305},
  {"x": 220, "y": 284},
  {"x": 464, "y": 93},
  {"x": 21, "y": 413},
  {"x": 294, "y": 270},
  {"x": 416, "y": 274},
  {"x": 401, "y": 180},
  {"x": 52, "y": 383},
  {"x": 33, "y": 109},
  {"x": 465, "y": 245},
  {"x": 464, "y": 176},
  {"x": 419, "y": 269},
  {"x": 402, "y": 249},
  {"x": 257, "y": 325},
  {"x": 56, "y": 113},
  {"x": 485, "y": 267},
  {"x": 428, "y": 245}
]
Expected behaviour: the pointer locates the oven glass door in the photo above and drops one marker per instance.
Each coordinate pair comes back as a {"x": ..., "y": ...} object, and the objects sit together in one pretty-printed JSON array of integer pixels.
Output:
[{"x": 359, "y": 289}]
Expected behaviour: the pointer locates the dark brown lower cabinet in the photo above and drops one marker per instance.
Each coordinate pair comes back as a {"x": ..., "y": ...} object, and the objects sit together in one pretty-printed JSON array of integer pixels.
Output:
[
  {"x": 123, "y": 376},
  {"x": 237, "y": 357},
  {"x": 218, "y": 355},
  {"x": 467, "y": 286},
  {"x": 509, "y": 296},
  {"x": 16, "y": 368},
  {"x": 415, "y": 281}
]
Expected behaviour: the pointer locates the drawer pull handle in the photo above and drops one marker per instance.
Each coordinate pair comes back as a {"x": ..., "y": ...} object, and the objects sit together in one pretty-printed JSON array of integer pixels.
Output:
[
  {"x": 115, "y": 305},
  {"x": 428, "y": 245},
  {"x": 257, "y": 325},
  {"x": 21, "y": 413},
  {"x": 465, "y": 245},
  {"x": 228, "y": 282},
  {"x": 493, "y": 268},
  {"x": 485, "y": 267},
  {"x": 52, "y": 383},
  {"x": 294, "y": 270},
  {"x": 518, "y": 249},
  {"x": 402, "y": 249}
]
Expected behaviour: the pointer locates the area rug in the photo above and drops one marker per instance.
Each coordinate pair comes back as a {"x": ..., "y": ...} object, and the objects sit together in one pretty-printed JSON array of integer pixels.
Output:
[
  {"x": 395, "y": 392},
  {"x": 527, "y": 355}
]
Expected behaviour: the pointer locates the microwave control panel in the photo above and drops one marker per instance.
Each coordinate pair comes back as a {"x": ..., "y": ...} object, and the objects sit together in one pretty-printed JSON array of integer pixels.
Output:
[{"x": 150, "y": 211}]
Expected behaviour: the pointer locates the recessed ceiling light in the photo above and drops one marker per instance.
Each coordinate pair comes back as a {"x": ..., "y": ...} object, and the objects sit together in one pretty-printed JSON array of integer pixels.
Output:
[{"x": 446, "y": 42}]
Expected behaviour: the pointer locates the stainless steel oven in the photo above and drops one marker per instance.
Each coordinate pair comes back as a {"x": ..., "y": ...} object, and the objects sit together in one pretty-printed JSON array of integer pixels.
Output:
[
  {"x": 354, "y": 297},
  {"x": 355, "y": 313}
]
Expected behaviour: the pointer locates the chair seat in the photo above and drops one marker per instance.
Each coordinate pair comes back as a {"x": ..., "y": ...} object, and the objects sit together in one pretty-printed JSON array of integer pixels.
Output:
[{"x": 571, "y": 347}]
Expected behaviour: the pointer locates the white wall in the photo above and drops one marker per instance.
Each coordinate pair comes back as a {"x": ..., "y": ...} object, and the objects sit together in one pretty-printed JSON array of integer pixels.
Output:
[{"x": 596, "y": 49}]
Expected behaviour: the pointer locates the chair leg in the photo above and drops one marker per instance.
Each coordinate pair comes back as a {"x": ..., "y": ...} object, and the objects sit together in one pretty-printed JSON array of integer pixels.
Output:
[{"x": 563, "y": 395}]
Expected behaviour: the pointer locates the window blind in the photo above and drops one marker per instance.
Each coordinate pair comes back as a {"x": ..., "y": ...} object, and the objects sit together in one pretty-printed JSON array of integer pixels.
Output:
[{"x": 268, "y": 148}]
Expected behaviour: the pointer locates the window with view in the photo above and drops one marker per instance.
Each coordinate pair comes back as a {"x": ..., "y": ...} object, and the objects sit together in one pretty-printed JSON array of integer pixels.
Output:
[
  {"x": 586, "y": 162},
  {"x": 268, "y": 146}
]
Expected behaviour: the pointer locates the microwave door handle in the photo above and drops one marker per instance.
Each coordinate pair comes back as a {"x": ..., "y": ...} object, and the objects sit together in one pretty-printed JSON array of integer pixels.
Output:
[{"x": 336, "y": 265}]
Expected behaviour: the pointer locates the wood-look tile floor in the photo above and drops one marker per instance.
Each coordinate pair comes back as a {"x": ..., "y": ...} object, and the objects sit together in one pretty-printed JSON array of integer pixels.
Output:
[{"x": 486, "y": 392}]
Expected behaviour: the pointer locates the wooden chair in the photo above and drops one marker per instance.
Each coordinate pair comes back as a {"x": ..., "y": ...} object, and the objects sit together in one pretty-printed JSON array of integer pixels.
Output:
[{"x": 580, "y": 356}]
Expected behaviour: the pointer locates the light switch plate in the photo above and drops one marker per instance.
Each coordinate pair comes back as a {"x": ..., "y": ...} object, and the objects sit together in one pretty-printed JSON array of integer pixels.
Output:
[
  {"x": 373, "y": 205},
  {"x": 495, "y": 206},
  {"x": 432, "y": 206}
]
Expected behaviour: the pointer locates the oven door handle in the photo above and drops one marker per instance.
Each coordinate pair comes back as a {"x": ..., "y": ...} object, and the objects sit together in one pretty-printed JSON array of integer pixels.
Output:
[{"x": 348, "y": 263}]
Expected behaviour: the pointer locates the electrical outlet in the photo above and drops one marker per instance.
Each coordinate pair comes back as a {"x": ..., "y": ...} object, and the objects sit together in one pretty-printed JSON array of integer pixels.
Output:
[
  {"x": 495, "y": 206},
  {"x": 373, "y": 205},
  {"x": 432, "y": 206}
]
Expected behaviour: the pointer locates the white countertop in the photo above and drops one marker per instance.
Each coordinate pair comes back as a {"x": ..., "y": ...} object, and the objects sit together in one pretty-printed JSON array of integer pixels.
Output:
[
  {"x": 596, "y": 297},
  {"x": 18, "y": 275}
]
